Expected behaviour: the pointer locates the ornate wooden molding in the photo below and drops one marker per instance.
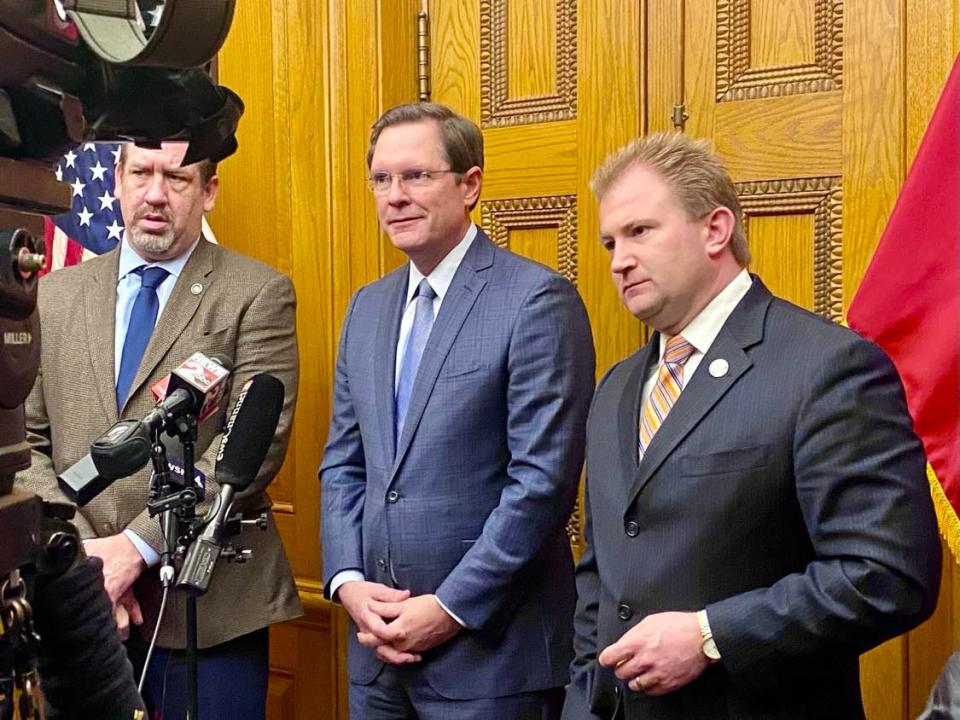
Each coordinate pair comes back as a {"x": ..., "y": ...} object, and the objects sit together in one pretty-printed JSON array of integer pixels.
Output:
[
  {"x": 496, "y": 107},
  {"x": 823, "y": 197},
  {"x": 736, "y": 80},
  {"x": 499, "y": 217}
]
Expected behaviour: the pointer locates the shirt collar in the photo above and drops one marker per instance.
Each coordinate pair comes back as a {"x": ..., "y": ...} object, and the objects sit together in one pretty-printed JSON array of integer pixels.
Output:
[
  {"x": 130, "y": 260},
  {"x": 443, "y": 273},
  {"x": 704, "y": 328}
]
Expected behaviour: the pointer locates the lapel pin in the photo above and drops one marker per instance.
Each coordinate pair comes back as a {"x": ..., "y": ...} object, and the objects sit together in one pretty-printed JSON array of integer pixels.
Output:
[
  {"x": 196, "y": 288},
  {"x": 718, "y": 368}
]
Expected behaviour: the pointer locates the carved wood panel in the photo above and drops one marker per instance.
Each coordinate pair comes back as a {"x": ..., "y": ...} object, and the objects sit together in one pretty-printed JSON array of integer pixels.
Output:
[
  {"x": 737, "y": 79},
  {"x": 499, "y": 217},
  {"x": 823, "y": 198},
  {"x": 497, "y": 107}
]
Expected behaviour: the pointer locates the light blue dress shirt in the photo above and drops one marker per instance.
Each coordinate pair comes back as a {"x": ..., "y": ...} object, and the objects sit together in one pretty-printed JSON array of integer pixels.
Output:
[{"x": 128, "y": 285}]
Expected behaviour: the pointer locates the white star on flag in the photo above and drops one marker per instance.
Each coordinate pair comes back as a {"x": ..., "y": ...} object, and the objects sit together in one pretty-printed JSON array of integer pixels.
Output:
[
  {"x": 114, "y": 231},
  {"x": 85, "y": 216},
  {"x": 97, "y": 171},
  {"x": 77, "y": 188},
  {"x": 71, "y": 158},
  {"x": 107, "y": 200}
]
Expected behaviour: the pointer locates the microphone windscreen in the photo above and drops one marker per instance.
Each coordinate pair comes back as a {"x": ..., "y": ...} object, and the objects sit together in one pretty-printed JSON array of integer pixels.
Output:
[{"x": 249, "y": 431}]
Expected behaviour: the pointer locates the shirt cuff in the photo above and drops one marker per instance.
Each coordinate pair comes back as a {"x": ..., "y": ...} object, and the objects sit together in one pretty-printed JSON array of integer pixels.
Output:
[
  {"x": 149, "y": 555},
  {"x": 449, "y": 612},
  {"x": 340, "y": 578}
]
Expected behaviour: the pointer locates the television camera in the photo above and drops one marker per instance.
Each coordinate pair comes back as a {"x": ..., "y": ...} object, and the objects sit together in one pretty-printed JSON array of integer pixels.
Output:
[{"x": 76, "y": 71}]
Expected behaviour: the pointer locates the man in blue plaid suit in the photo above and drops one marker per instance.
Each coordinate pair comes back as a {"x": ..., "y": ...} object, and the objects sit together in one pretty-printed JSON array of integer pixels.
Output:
[{"x": 461, "y": 392}]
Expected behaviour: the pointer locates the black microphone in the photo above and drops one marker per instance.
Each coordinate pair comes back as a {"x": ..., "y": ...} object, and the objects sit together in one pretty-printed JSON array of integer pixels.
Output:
[
  {"x": 243, "y": 448},
  {"x": 120, "y": 451}
]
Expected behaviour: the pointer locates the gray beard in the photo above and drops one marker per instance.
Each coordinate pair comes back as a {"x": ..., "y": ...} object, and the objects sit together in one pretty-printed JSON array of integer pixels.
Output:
[{"x": 150, "y": 243}]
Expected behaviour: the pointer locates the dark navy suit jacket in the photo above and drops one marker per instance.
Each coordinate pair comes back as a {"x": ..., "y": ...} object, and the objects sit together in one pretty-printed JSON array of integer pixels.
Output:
[{"x": 787, "y": 496}]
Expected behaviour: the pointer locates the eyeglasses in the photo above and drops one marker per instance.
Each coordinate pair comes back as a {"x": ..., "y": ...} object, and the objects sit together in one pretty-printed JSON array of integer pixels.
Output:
[{"x": 381, "y": 182}]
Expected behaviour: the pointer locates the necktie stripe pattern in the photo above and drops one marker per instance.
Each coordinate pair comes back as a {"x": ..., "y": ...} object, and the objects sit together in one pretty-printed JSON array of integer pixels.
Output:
[
  {"x": 665, "y": 391},
  {"x": 142, "y": 319},
  {"x": 419, "y": 333}
]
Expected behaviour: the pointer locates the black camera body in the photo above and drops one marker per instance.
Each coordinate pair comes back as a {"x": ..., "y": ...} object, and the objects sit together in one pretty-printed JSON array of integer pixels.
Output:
[{"x": 74, "y": 71}]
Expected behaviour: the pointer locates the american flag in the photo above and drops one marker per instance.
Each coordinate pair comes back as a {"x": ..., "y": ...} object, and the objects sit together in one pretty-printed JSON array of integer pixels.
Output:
[{"x": 93, "y": 225}]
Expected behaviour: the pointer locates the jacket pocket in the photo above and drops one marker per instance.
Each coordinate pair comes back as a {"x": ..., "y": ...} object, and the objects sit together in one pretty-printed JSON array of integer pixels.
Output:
[{"x": 737, "y": 460}]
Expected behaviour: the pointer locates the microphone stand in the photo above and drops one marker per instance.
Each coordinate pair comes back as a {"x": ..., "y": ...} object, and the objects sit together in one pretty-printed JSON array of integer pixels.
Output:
[
  {"x": 187, "y": 432},
  {"x": 179, "y": 521}
]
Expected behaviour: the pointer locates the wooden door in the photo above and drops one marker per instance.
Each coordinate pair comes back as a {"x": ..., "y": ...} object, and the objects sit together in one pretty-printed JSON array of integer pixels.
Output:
[
  {"x": 816, "y": 105},
  {"x": 805, "y": 101}
]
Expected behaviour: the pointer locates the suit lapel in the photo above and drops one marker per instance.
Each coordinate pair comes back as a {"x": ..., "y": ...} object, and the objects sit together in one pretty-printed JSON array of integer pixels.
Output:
[
  {"x": 628, "y": 411},
  {"x": 179, "y": 309},
  {"x": 385, "y": 364},
  {"x": 100, "y": 294},
  {"x": 742, "y": 329},
  {"x": 459, "y": 300}
]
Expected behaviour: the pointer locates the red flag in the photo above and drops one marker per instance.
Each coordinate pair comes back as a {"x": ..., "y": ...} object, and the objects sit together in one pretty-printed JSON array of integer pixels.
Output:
[{"x": 908, "y": 300}]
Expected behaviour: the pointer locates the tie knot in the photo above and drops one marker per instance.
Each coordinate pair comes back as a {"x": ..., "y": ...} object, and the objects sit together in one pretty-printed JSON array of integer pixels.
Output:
[
  {"x": 151, "y": 277},
  {"x": 678, "y": 350},
  {"x": 424, "y": 290}
]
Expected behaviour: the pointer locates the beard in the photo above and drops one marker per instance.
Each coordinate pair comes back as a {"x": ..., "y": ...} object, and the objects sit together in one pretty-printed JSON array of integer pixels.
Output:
[{"x": 151, "y": 243}]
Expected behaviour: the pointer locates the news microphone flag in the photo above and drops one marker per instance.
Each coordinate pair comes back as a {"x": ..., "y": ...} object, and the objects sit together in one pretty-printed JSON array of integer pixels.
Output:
[
  {"x": 93, "y": 225},
  {"x": 908, "y": 301}
]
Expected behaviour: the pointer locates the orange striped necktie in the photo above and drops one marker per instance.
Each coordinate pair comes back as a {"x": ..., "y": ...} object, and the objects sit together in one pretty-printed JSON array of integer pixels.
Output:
[{"x": 665, "y": 391}]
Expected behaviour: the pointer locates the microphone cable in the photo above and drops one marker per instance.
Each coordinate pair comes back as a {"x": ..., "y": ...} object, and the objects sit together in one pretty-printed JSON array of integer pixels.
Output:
[{"x": 153, "y": 640}]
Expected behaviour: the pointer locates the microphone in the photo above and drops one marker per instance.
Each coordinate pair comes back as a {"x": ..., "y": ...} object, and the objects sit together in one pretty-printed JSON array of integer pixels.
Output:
[
  {"x": 120, "y": 451},
  {"x": 243, "y": 448},
  {"x": 195, "y": 387}
]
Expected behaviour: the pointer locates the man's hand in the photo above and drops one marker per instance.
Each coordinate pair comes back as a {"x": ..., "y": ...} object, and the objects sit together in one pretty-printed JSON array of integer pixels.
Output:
[
  {"x": 126, "y": 612},
  {"x": 359, "y": 597},
  {"x": 421, "y": 622},
  {"x": 658, "y": 655},
  {"x": 122, "y": 564}
]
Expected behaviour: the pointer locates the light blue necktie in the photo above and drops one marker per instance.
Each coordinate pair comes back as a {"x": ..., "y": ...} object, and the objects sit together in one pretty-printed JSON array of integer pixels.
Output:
[
  {"x": 142, "y": 319},
  {"x": 422, "y": 324}
]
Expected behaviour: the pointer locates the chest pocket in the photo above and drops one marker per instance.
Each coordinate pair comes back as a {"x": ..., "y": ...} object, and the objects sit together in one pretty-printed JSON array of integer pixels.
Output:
[
  {"x": 461, "y": 361},
  {"x": 217, "y": 344},
  {"x": 727, "y": 461}
]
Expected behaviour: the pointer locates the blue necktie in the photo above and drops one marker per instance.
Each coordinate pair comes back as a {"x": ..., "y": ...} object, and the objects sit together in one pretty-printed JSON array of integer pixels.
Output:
[
  {"x": 422, "y": 324},
  {"x": 142, "y": 320}
]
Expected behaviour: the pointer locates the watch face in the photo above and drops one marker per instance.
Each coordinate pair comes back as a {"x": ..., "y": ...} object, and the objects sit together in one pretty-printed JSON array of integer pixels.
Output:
[{"x": 710, "y": 649}]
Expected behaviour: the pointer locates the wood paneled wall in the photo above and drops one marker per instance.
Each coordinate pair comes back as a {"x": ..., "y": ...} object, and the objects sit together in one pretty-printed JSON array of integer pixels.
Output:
[{"x": 556, "y": 84}]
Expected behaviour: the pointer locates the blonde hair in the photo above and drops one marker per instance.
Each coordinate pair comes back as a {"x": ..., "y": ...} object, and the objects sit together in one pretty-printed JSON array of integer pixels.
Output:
[{"x": 694, "y": 174}]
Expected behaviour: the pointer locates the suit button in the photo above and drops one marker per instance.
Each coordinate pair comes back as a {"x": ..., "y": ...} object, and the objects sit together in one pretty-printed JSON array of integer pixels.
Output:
[
  {"x": 632, "y": 528},
  {"x": 382, "y": 564},
  {"x": 393, "y": 496},
  {"x": 624, "y": 612}
]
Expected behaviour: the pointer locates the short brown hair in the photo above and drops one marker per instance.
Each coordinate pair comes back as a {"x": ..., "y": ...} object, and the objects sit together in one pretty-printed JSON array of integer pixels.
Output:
[
  {"x": 695, "y": 175},
  {"x": 208, "y": 168},
  {"x": 461, "y": 139}
]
